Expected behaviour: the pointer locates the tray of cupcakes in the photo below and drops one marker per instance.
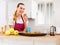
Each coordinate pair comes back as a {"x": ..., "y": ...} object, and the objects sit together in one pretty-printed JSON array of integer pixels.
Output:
[{"x": 32, "y": 34}]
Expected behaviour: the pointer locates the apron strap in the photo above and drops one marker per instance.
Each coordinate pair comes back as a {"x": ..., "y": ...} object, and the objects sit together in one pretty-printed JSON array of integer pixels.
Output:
[
  {"x": 22, "y": 18},
  {"x": 23, "y": 21}
]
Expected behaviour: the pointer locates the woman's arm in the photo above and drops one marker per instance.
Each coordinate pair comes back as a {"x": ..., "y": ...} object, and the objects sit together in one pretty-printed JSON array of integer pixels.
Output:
[
  {"x": 25, "y": 17},
  {"x": 26, "y": 26}
]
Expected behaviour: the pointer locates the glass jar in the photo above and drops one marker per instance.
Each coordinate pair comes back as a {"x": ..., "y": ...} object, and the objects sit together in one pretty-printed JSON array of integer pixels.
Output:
[{"x": 52, "y": 30}]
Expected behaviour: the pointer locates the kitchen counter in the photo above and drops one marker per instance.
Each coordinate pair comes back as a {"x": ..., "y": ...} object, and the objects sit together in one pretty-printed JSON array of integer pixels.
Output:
[{"x": 46, "y": 38}]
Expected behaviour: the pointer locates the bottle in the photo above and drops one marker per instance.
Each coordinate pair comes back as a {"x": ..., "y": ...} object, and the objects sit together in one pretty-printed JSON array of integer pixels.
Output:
[{"x": 52, "y": 30}]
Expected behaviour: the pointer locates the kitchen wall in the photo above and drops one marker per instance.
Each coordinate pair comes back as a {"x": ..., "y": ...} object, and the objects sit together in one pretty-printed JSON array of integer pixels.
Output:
[
  {"x": 55, "y": 19},
  {"x": 2, "y": 13},
  {"x": 31, "y": 11},
  {"x": 13, "y": 3},
  {"x": 11, "y": 8},
  {"x": 43, "y": 28},
  {"x": 56, "y": 13}
]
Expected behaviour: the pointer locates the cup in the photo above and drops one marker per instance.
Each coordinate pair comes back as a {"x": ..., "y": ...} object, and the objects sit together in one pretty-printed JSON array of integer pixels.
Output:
[{"x": 29, "y": 29}]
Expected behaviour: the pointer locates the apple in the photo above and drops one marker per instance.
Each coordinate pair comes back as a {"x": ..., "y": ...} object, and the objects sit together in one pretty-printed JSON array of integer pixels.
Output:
[
  {"x": 16, "y": 32},
  {"x": 7, "y": 33},
  {"x": 11, "y": 31}
]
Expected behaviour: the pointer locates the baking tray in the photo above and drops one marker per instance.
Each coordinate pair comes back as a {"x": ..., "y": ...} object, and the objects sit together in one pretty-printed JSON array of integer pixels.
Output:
[{"x": 24, "y": 34}]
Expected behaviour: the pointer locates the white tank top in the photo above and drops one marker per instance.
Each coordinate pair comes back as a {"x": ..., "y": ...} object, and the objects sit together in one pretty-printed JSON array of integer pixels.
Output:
[{"x": 19, "y": 21}]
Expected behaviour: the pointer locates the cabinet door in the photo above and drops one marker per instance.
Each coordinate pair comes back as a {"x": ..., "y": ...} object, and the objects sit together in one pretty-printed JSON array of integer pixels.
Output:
[
  {"x": 8, "y": 41},
  {"x": 23, "y": 42},
  {"x": 16, "y": 41},
  {"x": 44, "y": 43},
  {"x": 1, "y": 40}
]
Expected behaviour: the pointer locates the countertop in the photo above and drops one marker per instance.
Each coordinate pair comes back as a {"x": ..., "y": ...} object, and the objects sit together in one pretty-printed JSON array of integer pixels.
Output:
[{"x": 42, "y": 38}]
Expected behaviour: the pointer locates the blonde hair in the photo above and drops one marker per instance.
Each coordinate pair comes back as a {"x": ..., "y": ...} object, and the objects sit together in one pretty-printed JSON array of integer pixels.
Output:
[{"x": 14, "y": 16}]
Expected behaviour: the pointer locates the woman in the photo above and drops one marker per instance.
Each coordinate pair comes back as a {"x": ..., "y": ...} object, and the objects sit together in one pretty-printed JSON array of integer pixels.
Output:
[{"x": 20, "y": 19}]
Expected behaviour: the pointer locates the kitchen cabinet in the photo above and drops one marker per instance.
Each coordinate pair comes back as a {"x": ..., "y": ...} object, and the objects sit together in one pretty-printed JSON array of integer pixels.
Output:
[
  {"x": 44, "y": 43},
  {"x": 11, "y": 41},
  {"x": 1, "y": 41},
  {"x": 25, "y": 40}
]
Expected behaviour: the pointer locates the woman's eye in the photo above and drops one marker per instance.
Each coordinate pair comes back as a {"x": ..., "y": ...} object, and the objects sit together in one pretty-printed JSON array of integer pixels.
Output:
[{"x": 20, "y": 8}]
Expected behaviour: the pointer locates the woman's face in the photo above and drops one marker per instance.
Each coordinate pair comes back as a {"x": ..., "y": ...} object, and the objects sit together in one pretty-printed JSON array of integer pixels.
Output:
[{"x": 20, "y": 9}]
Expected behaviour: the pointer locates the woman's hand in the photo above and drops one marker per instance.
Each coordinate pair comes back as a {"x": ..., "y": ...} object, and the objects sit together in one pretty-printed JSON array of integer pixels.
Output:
[
  {"x": 24, "y": 31},
  {"x": 25, "y": 17}
]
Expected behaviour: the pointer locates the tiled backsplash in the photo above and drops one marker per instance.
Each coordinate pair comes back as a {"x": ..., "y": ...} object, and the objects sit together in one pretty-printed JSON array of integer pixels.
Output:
[{"x": 43, "y": 28}]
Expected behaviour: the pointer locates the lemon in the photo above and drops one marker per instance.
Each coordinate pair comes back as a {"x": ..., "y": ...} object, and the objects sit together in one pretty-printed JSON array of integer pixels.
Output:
[
  {"x": 7, "y": 33},
  {"x": 16, "y": 32},
  {"x": 11, "y": 31}
]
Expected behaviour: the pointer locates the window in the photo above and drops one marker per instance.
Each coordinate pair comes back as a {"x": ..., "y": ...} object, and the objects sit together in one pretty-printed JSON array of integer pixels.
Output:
[{"x": 45, "y": 11}]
